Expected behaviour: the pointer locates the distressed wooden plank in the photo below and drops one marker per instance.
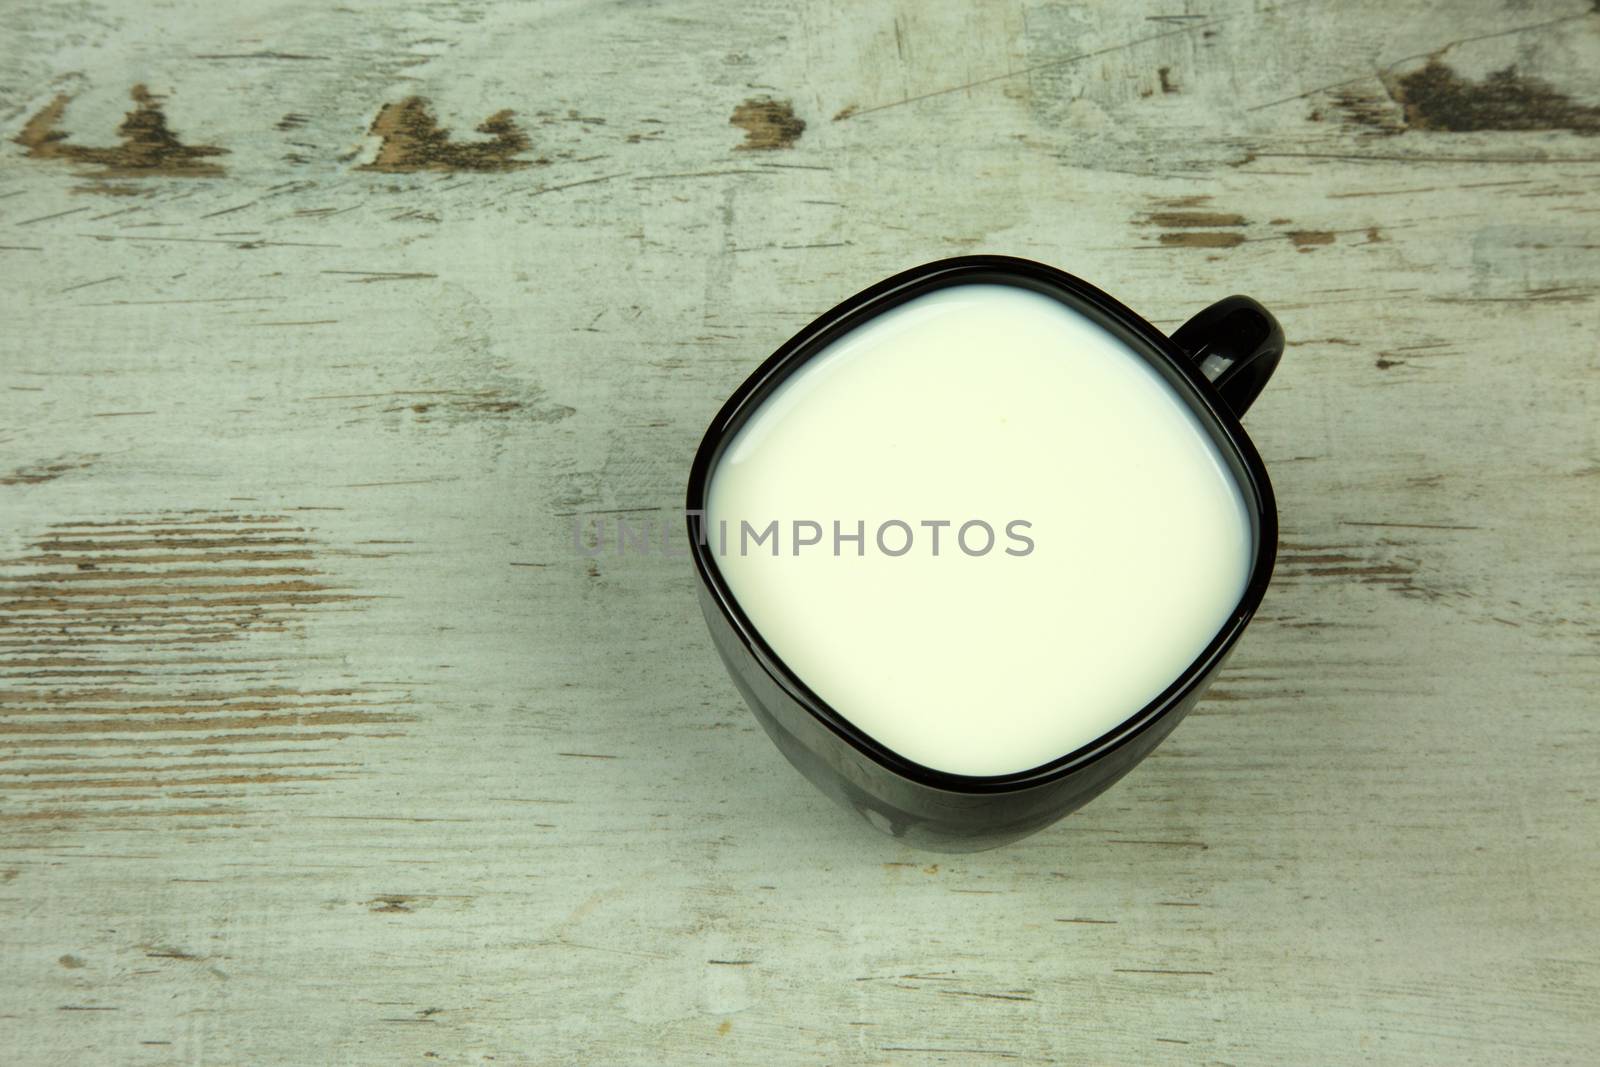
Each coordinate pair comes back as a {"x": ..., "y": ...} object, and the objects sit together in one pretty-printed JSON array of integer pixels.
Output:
[{"x": 320, "y": 742}]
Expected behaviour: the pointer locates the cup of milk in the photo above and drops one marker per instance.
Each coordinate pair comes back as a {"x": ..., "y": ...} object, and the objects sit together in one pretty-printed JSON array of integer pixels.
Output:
[{"x": 972, "y": 543}]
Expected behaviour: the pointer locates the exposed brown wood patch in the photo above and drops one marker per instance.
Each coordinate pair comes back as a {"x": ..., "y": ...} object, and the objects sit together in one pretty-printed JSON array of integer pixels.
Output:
[
  {"x": 1201, "y": 239},
  {"x": 149, "y": 147},
  {"x": 445, "y": 407},
  {"x": 1306, "y": 240},
  {"x": 1347, "y": 562},
  {"x": 1368, "y": 108},
  {"x": 413, "y": 140},
  {"x": 767, "y": 124},
  {"x": 393, "y": 903},
  {"x": 1188, "y": 222},
  {"x": 1437, "y": 98},
  {"x": 1191, "y": 220},
  {"x": 38, "y": 473},
  {"x": 161, "y": 657}
]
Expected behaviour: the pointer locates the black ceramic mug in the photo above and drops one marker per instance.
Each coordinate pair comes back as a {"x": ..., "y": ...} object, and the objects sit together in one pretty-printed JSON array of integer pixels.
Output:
[{"x": 1216, "y": 363}]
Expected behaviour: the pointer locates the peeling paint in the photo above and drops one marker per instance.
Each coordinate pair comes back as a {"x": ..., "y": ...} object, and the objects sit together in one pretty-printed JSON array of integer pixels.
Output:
[
  {"x": 1202, "y": 239},
  {"x": 1437, "y": 98},
  {"x": 148, "y": 657},
  {"x": 1189, "y": 222},
  {"x": 768, "y": 124},
  {"x": 39, "y": 473},
  {"x": 149, "y": 147},
  {"x": 1348, "y": 562},
  {"x": 1306, "y": 240},
  {"x": 414, "y": 141},
  {"x": 1194, "y": 219},
  {"x": 451, "y": 407},
  {"x": 1374, "y": 111}
]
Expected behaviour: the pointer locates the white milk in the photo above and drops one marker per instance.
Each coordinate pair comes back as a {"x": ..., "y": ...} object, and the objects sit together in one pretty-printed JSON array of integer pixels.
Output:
[{"x": 983, "y": 402}]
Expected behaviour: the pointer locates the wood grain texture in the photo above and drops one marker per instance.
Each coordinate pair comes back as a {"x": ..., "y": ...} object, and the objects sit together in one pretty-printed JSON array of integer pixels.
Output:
[{"x": 320, "y": 743}]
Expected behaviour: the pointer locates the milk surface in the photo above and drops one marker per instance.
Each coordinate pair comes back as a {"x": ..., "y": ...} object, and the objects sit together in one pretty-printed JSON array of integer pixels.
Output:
[{"x": 993, "y": 403}]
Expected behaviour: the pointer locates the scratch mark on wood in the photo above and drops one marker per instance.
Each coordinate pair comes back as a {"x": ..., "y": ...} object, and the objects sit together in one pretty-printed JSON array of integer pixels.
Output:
[
  {"x": 229, "y": 210},
  {"x": 1154, "y": 970},
  {"x": 56, "y": 215},
  {"x": 397, "y": 481},
  {"x": 854, "y": 111},
  {"x": 382, "y": 275},
  {"x": 304, "y": 322},
  {"x": 694, "y": 174},
  {"x": 1433, "y": 53},
  {"x": 148, "y": 148},
  {"x": 997, "y": 1053},
  {"x": 984, "y": 996},
  {"x": 1420, "y": 157},
  {"x": 167, "y": 953},
  {"x": 85, "y": 285},
  {"x": 255, "y": 55},
  {"x": 573, "y": 185},
  {"x": 1409, "y": 525},
  {"x": 181, "y": 522},
  {"x": 205, "y": 241}
]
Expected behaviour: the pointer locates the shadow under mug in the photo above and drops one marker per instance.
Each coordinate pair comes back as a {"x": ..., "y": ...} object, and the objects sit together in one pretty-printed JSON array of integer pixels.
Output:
[{"x": 1217, "y": 362}]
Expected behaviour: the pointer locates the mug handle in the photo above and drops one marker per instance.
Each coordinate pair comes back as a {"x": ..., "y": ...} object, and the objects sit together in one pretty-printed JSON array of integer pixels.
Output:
[{"x": 1237, "y": 344}]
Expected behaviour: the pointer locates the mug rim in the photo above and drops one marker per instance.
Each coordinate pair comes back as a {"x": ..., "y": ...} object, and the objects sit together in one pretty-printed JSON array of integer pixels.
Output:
[{"x": 1200, "y": 396}]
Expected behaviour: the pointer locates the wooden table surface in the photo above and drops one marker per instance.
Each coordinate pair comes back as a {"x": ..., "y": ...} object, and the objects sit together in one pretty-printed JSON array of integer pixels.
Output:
[{"x": 320, "y": 742}]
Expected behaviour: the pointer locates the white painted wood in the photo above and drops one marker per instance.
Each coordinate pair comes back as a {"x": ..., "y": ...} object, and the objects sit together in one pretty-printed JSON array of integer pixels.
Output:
[{"x": 366, "y": 764}]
